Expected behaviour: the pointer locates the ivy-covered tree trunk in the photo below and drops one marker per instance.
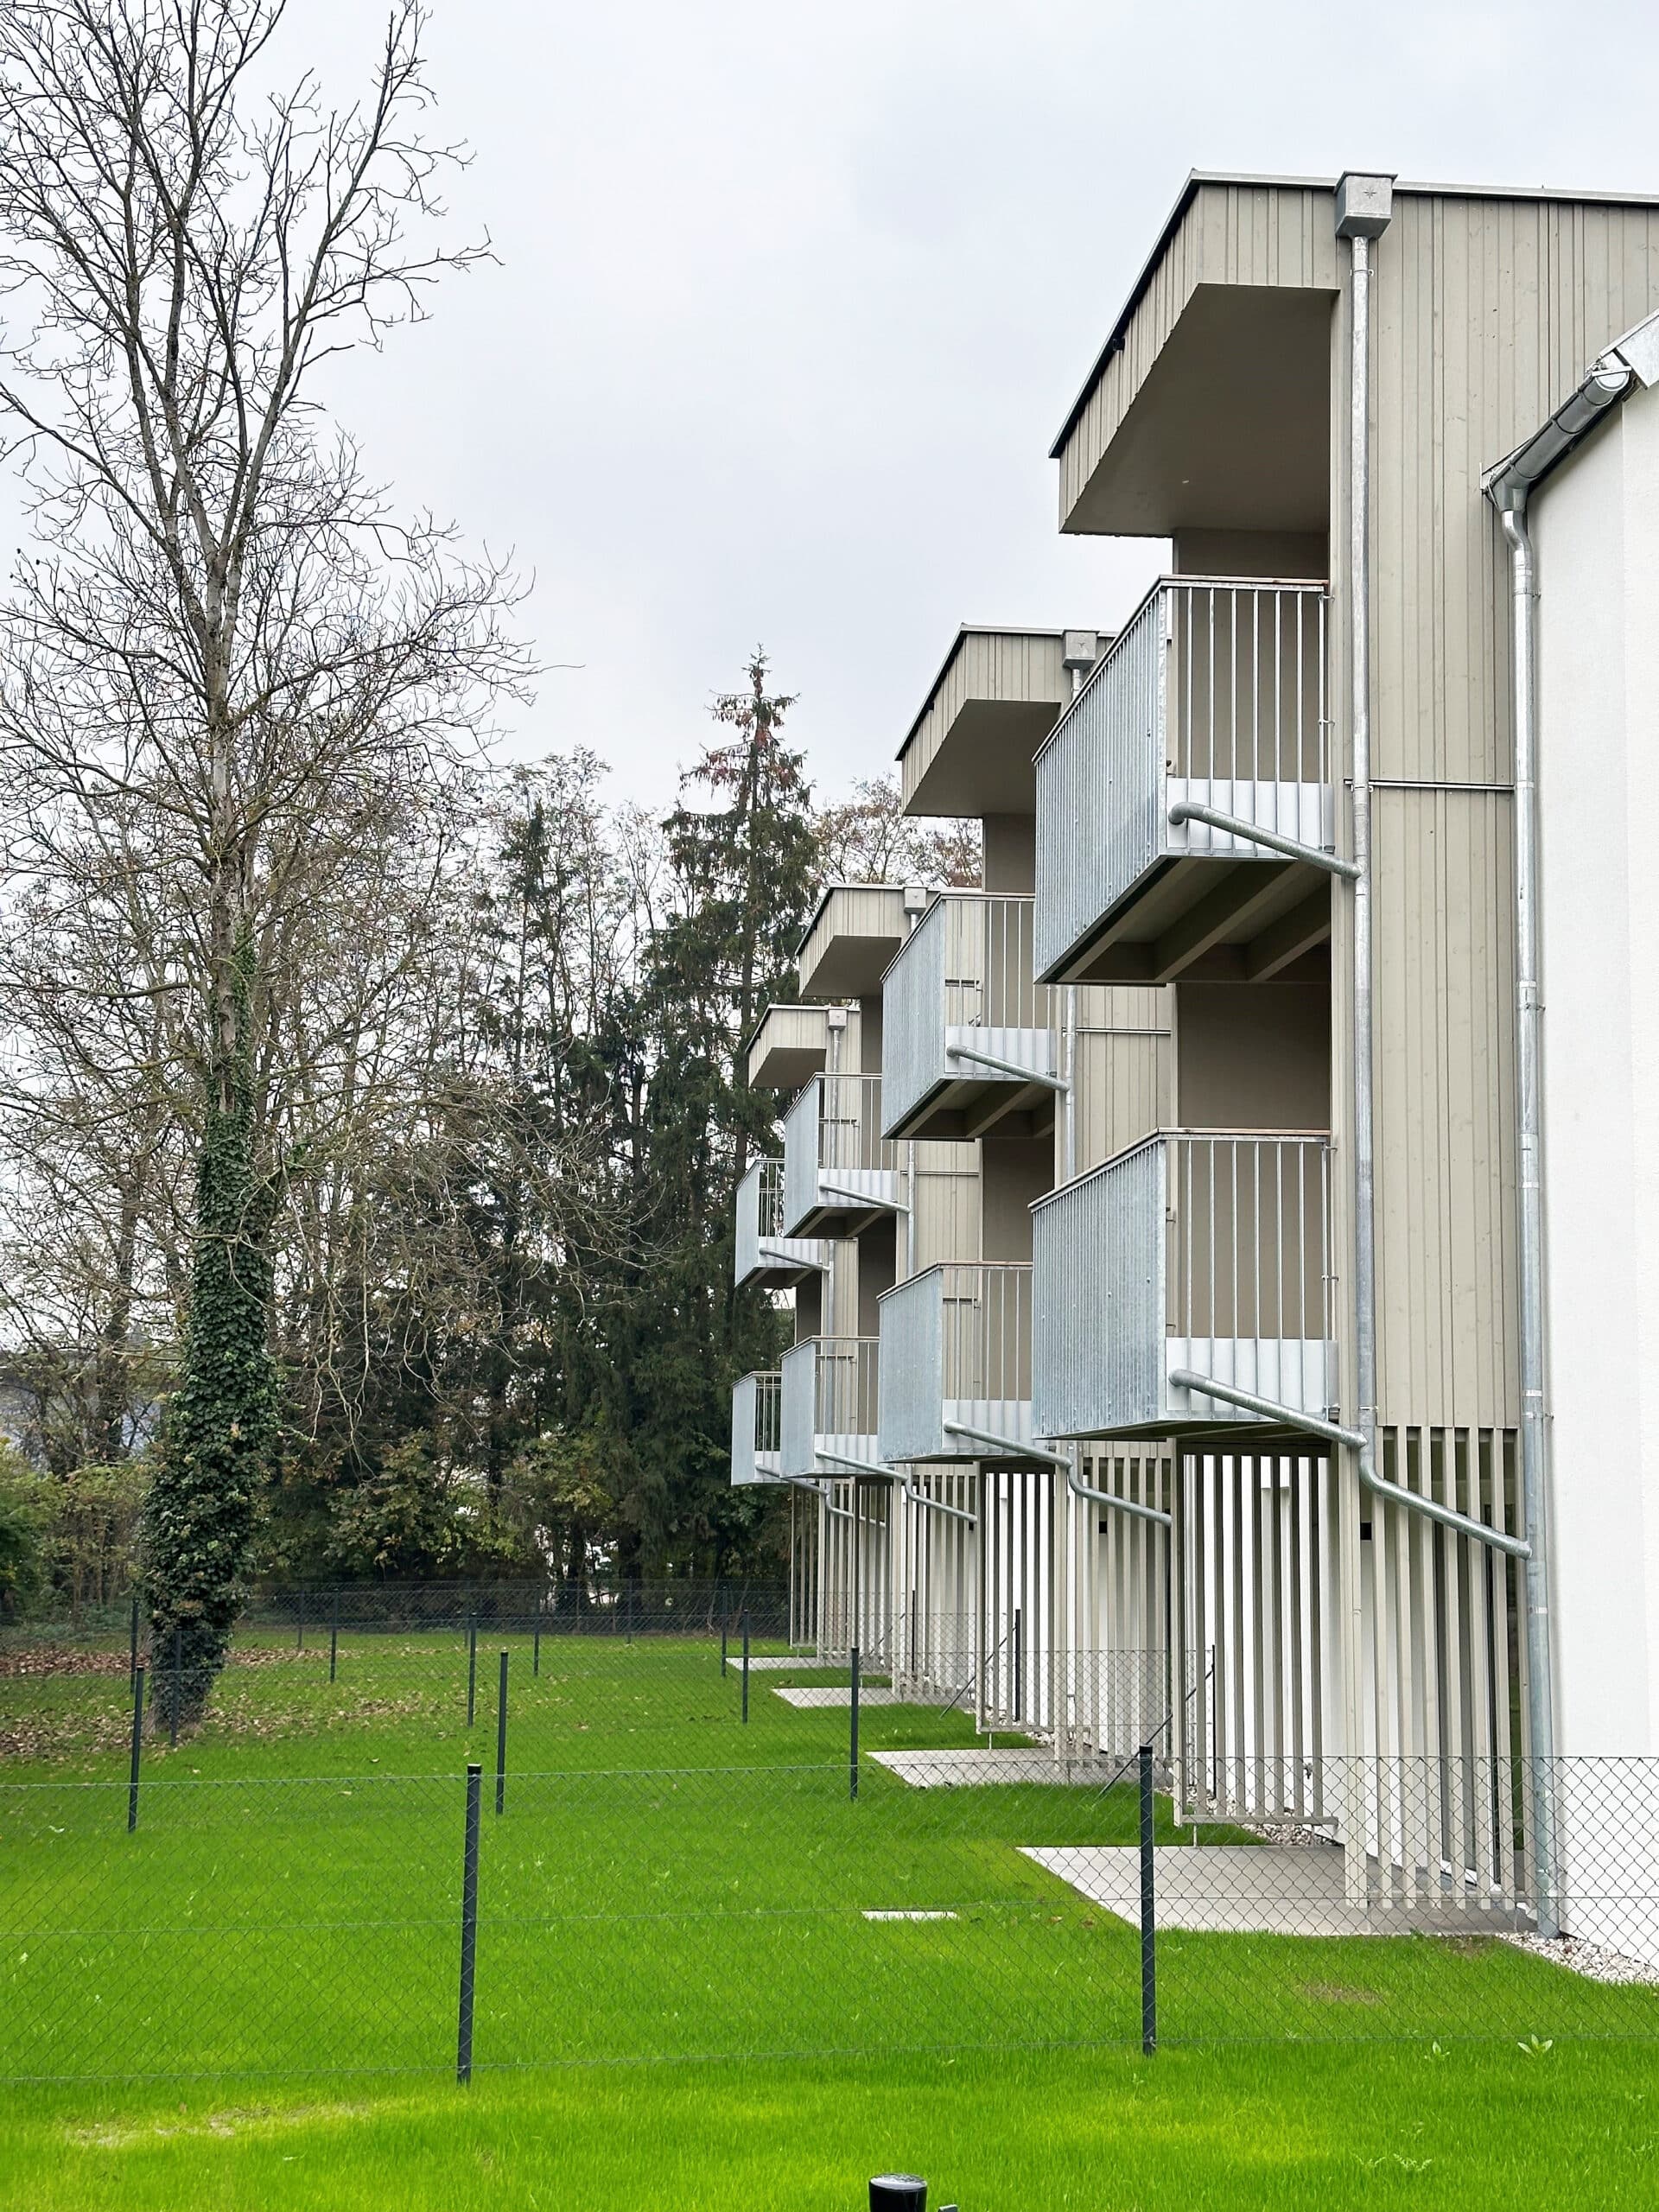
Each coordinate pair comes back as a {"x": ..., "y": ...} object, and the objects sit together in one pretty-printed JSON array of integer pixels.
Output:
[{"x": 219, "y": 1440}]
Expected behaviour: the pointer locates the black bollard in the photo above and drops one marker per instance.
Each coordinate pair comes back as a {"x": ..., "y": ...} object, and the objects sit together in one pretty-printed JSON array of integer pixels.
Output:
[{"x": 897, "y": 2193}]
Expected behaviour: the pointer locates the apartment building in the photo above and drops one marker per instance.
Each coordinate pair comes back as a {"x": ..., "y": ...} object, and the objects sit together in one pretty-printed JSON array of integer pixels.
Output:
[{"x": 1340, "y": 832}]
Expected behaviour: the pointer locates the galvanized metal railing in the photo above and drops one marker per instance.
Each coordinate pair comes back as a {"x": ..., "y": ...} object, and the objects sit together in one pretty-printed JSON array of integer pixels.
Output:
[
  {"x": 966, "y": 972},
  {"x": 760, "y": 1215},
  {"x": 832, "y": 1136},
  {"x": 1214, "y": 692},
  {"x": 1201, "y": 1249},
  {"x": 956, "y": 1344},
  {"x": 756, "y": 1427},
  {"x": 829, "y": 1401}
]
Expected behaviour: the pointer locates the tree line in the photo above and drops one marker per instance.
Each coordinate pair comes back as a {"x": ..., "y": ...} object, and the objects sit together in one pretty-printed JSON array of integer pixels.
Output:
[{"x": 370, "y": 1115}]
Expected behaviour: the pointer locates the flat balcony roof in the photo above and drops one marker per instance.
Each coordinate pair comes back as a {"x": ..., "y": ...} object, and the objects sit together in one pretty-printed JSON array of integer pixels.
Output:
[
  {"x": 970, "y": 750},
  {"x": 792, "y": 1043},
  {"x": 855, "y": 931}
]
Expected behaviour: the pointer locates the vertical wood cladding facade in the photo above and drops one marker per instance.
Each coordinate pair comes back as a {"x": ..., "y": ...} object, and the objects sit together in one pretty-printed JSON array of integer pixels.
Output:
[{"x": 1486, "y": 310}]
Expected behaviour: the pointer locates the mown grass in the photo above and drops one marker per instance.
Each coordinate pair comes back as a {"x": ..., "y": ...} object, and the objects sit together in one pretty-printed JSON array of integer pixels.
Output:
[
  {"x": 1263, "y": 2129},
  {"x": 277, "y": 1946}
]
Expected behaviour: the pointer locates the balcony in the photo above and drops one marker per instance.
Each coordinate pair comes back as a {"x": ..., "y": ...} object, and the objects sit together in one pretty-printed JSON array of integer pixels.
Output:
[
  {"x": 764, "y": 1255},
  {"x": 1204, "y": 1251},
  {"x": 967, "y": 1036},
  {"x": 757, "y": 1417},
  {"x": 839, "y": 1174},
  {"x": 955, "y": 1347},
  {"x": 1214, "y": 696},
  {"x": 828, "y": 1405},
  {"x": 855, "y": 931}
]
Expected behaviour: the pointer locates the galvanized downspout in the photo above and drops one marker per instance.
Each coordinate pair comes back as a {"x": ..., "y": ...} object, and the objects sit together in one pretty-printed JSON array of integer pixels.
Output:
[
  {"x": 1529, "y": 1024},
  {"x": 1509, "y": 486}
]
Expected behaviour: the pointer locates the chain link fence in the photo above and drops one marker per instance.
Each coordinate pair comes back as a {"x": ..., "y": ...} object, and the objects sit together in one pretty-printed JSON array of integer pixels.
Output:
[{"x": 651, "y": 1850}]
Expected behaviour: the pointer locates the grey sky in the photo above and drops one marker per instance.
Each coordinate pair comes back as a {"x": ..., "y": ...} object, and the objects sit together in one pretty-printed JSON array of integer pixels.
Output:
[{"x": 792, "y": 300}]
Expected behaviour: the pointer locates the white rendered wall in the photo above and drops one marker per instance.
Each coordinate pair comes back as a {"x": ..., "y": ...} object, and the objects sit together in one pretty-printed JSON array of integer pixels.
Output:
[{"x": 1596, "y": 527}]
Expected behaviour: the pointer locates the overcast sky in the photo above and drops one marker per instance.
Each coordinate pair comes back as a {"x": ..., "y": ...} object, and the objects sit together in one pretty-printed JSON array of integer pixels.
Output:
[{"x": 793, "y": 298}]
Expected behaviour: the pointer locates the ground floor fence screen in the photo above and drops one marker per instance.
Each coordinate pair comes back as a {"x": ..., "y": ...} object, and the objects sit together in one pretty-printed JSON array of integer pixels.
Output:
[{"x": 478, "y": 1846}]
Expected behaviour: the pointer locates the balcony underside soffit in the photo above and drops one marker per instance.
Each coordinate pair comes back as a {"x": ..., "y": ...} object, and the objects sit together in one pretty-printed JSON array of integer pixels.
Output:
[
  {"x": 1230, "y": 426},
  {"x": 959, "y": 1112},
  {"x": 1240, "y": 921},
  {"x": 983, "y": 762}
]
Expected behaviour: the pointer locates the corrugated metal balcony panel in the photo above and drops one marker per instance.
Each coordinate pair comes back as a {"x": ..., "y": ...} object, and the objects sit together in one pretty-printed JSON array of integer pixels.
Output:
[
  {"x": 838, "y": 1169},
  {"x": 1214, "y": 693},
  {"x": 763, "y": 1256},
  {"x": 756, "y": 1413},
  {"x": 964, "y": 979},
  {"x": 913, "y": 1370},
  {"x": 1201, "y": 1251},
  {"x": 955, "y": 1347},
  {"x": 828, "y": 1404}
]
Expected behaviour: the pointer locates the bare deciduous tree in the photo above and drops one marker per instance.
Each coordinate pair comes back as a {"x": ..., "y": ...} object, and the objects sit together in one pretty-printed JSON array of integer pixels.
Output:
[{"x": 223, "y": 637}]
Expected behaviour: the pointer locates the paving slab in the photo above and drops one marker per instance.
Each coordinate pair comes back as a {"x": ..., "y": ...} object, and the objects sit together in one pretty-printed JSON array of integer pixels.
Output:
[
  {"x": 1254, "y": 1889},
  {"x": 837, "y": 1694},
  {"x": 983, "y": 1763}
]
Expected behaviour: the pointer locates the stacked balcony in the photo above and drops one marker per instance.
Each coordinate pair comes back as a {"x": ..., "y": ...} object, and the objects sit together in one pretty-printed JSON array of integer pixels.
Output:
[
  {"x": 828, "y": 1424},
  {"x": 1213, "y": 697},
  {"x": 757, "y": 1429},
  {"x": 955, "y": 1364},
  {"x": 764, "y": 1255},
  {"x": 1201, "y": 1252},
  {"x": 840, "y": 1175},
  {"x": 970, "y": 1040}
]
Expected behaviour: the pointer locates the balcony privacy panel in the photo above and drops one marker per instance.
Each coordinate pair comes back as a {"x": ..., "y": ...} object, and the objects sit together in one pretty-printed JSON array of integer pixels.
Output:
[
  {"x": 828, "y": 1404},
  {"x": 964, "y": 977},
  {"x": 1214, "y": 693},
  {"x": 956, "y": 1346},
  {"x": 1200, "y": 1251},
  {"x": 833, "y": 1145}
]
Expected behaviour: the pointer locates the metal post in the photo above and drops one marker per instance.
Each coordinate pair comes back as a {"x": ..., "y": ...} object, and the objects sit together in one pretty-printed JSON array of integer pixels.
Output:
[
  {"x": 300, "y": 1642},
  {"x": 746, "y": 1670},
  {"x": 178, "y": 1677},
  {"x": 1148, "y": 1914},
  {"x": 501, "y": 1737},
  {"x": 137, "y": 1746},
  {"x": 1019, "y": 1664},
  {"x": 468, "y": 1927},
  {"x": 132, "y": 1655},
  {"x": 853, "y": 1738},
  {"x": 536, "y": 1657},
  {"x": 472, "y": 1669}
]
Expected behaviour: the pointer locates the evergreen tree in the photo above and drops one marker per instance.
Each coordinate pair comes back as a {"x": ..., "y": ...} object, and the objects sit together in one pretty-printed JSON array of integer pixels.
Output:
[{"x": 743, "y": 870}]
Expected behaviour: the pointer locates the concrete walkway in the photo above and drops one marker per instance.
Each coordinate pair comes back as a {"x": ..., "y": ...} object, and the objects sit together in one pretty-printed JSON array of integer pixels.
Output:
[{"x": 1255, "y": 1889}]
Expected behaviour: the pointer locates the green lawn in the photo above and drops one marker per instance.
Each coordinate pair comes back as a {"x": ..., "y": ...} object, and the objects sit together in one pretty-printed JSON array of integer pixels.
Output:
[{"x": 276, "y": 1948}]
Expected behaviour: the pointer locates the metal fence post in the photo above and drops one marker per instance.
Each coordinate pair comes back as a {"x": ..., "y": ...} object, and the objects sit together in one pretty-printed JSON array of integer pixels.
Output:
[
  {"x": 1148, "y": 1914},
  {"x": 469, "y": 1928},
  {"x": 746, "y": 1670},
  {"x": 472, "y": 1669},
  {"x": 1019, "y": 1665},
  {"x": 535, "y": 1651},
  {"x": 137, "y": 1746},
  {"x": 501, "y": 1737},
  {"x": 132, "y": 1655},
  {"x": 299, "y": 1640},
  {"x": 853, "y": 1735},
  {"x": 178, "y": 1679}
]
